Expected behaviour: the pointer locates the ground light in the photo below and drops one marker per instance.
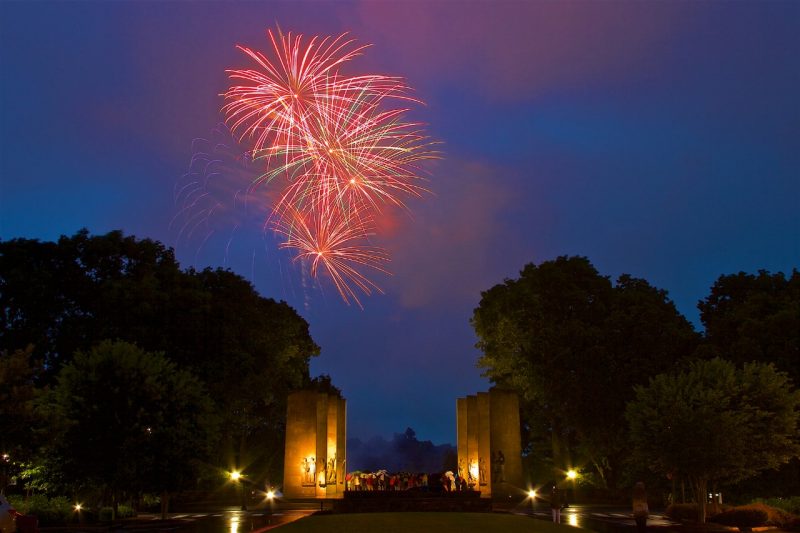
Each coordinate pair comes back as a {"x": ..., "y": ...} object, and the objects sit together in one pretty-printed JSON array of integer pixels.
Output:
[{"x": 571, "y": 474}]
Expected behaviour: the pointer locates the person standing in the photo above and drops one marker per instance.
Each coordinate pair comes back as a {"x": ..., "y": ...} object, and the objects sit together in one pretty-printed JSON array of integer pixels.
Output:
[
  {"x": 640, "y": 508},
  {"x": 556, "y": 501}
]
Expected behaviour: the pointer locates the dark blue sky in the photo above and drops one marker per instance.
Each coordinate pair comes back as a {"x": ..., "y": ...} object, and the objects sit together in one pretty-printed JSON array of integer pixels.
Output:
[{"x": 660, "y": 139}]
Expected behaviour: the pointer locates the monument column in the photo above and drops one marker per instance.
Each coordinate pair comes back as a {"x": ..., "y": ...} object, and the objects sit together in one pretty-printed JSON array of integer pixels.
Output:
[
  {"x": 489, "y": 448},
  {"x": 484, "y": 446},
  {"x": 473, "y": 428},
  {"x": 315, "y": 445},
  {"x": 341, "y": 446},
  {"x": 506, "y": 446},
  {"x": 461, "y": 435},
  {"x": 300, "y": 457}
]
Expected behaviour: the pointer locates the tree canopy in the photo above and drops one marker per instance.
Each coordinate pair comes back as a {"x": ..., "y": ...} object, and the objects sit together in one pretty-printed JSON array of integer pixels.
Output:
[
  {"x": 125, "y": 419},
  {"x": 18, "y": 391},
  {"x": 573, "y": 346},
  {"x": 716, "y": 422},
  {"x": 247, "y": 350},
  {"x": 755, "y": 317}
]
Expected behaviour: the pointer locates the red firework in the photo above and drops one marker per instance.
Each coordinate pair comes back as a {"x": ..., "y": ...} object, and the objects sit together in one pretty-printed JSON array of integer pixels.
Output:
[{"x": 333, "y": 145}]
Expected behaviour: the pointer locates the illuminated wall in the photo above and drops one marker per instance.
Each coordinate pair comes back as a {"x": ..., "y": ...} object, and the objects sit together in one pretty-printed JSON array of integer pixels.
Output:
[
  {"x": 315, "y": 453},
  {"x": 489, "y": 452}
]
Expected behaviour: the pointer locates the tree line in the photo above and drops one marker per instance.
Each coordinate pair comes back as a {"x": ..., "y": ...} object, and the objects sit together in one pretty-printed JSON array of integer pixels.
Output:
[
  {"x": 615, "y": 381},
  {"x": 122, "y": 372},
  {"x": 404, "y": 452}
]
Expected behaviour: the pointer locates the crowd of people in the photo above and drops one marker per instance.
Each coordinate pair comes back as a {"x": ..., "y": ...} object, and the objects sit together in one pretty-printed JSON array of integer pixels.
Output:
[{"x": 400, "y": 481}]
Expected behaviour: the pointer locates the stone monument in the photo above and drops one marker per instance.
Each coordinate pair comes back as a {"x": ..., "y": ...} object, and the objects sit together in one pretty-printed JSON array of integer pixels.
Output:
[
  {"x": 315, "y": 453},
  {"x": 489, "y": 449}
]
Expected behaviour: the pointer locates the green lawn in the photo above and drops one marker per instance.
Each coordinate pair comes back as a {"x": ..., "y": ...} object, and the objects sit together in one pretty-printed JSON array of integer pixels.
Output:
[{"x": 413, "y": 522}]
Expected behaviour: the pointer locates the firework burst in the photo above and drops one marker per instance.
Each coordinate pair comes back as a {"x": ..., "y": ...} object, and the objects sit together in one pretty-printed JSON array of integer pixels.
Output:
[{"x": 337, "y": 149}]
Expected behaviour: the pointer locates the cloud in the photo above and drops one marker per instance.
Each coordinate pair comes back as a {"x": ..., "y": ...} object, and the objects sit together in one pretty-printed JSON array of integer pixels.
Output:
[{"x": 446, "y": 253}]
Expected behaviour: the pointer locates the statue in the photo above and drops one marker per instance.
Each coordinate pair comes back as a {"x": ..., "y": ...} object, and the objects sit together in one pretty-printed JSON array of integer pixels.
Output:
[
  {"x": 309, "y": 470},
  {"x": 500, "y": 467},
  {"x": 481, "y": 471},
  {"x": 330, "y": 472}
]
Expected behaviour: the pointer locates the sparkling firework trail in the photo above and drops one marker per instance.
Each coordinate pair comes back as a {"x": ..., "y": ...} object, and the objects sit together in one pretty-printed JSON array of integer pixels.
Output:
[{"x": 335, "y": 147}]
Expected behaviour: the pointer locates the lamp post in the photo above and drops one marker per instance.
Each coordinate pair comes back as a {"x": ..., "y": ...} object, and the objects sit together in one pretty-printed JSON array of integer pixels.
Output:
[
  {"x": 270, "y": 503},
  {"x": 572, "y": 475},
  {"x": 78, "y": 508},
  {"x": 236, "y": 477}
]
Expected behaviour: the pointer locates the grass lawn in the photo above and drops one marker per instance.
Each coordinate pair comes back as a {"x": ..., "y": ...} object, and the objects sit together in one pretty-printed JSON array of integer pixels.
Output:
[{"x": 412, "y": 522}]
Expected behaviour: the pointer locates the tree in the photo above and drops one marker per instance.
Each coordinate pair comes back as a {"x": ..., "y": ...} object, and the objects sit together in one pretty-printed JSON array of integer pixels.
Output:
[
  {"x": 573, "y": 346},
  {"x": 715, "y": 422},
  {"x": 643, "y": 335},
  {"x": 251, "y": 351},
  {"x": 248, "y": 350},
  {"x": 755, "y": 318},
  {"x": 128, "y": 420},
  {"x": 404, "y": 452},
  {"x": 536, "y": 331},
  {"x": 18, "y": 373},
  {"x": 18, "y": 418},
  {"x": 66, "y": 296}
]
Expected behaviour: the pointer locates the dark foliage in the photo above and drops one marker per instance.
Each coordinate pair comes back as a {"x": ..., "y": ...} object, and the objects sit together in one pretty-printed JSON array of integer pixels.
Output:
[
  {"x": 755, "y": 317},
  {"x": 574, "y": 345},
  {"x": 742, "y": 517},
  {"x": 249, "y": 351}
]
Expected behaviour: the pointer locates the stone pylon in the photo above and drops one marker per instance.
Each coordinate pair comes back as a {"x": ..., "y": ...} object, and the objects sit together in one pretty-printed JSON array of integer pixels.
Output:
[
  {"x": 489, "y": 448},
  {"x": 315, "y": 460}
]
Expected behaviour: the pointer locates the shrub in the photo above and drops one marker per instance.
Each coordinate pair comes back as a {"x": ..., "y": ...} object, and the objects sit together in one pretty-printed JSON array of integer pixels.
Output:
[
  {"x": 123, "y": 511},
  {"x": 688, "y": 511},
  {"x": 790, "y": 505},
  {"x": 682, "y": 511},
  {"x": 775, "y": 516},
  {"x": 743, "y": 517},
  {"x": 50, "y": 511}
]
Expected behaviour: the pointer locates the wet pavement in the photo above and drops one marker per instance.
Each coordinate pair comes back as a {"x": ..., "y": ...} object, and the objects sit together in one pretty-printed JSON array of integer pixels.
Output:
[
  {"x": 605, "y": 519},
  {"x": 233, "y": 520},
  {"x": 264, "y": 518}
]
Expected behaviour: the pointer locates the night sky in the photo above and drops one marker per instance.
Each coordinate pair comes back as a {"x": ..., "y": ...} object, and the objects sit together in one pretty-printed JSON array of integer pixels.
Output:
[{"x": 660, "y": 139}]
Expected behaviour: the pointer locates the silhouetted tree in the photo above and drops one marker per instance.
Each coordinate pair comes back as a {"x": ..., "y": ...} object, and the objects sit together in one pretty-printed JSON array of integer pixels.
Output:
[
  {"x": 756, "y": 317},
  {"x": 716, "y": 422},
  {"x": 127, "y": 420},
  {"x": 751, "y": 317},
  {"x": 404, "y": 452},
  {"x": 573, "y": 346},
  {"x": 18, "y": 419},
  {"x": 249, "y": 351}
]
